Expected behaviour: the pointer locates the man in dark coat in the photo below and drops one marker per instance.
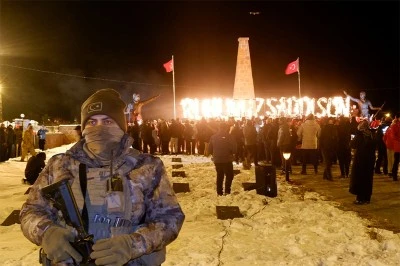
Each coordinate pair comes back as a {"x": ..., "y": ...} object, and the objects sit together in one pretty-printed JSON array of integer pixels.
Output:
[
  {"x": 135, "y": 134},
  {"x": 18, "y": 140},
  {"x": 175, "y": 132},
  {"x": 343, "y": 148},
  {"x": 382, "y": 160},
  {"x": 201, "y": 135},
  {"x": 272, "y": 139},
  {"x": 236, "y": 132},
  {"x": 10, "y": 139},
  {"x": 250, "y": 144},
  {"x": 34, "y": 166},
  {"x": 190, "y": 145},
  {"x": 222, "y": 146},
  {"x": 284, "y": 142},
  {"x": 328, "y": 144},
  {"x": 3, "y": 143},
  {"x": 165, "y": 136},
  {"x": 362, "y": 170},
  {"x": 146, "y": 132}
]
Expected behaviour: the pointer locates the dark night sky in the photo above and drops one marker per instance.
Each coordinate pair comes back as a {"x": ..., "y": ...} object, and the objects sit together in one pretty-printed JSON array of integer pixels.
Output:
[{"x": 340, "y": 44}]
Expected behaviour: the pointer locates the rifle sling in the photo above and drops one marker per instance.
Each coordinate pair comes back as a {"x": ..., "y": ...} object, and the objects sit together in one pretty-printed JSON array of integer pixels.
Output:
[{"x": 83, "y": 182}]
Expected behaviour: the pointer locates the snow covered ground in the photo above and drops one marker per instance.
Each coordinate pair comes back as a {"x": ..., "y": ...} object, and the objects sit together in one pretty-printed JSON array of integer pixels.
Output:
[{"x": 295, "y": 228}]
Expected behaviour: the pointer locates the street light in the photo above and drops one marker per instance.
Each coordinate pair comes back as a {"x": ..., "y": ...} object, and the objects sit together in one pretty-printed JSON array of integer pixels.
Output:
[
  {"x": 286, "y": 156},
  {"x": 22, "y": 117}
]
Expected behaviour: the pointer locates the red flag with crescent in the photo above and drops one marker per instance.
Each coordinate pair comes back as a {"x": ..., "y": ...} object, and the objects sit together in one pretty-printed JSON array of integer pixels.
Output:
[
  {"x": 292, "y": 67},
  {"x": 169, "y": 66}
]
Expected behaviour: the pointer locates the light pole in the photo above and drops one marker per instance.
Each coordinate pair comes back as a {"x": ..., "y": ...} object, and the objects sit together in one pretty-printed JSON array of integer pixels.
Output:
[
  {"x": 19, "y": 142},
  {"x": 286, "y": 156},
  {"x": 22, "y": 117}
]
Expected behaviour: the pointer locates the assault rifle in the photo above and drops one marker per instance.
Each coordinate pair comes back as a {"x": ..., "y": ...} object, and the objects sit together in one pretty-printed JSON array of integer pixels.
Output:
[{"x": 60, "y": 194}]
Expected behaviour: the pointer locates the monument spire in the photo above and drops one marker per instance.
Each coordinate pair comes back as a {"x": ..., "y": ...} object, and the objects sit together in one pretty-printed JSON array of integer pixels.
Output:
[{"x": 244, "y": 87}]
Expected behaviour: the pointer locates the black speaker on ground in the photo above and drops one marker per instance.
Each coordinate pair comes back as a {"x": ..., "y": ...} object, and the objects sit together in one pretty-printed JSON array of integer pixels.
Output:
[{"x": 266, "y": 180}]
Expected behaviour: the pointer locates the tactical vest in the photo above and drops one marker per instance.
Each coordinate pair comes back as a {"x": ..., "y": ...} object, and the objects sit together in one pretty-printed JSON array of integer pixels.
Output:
[{"x": 106, "y": 224}]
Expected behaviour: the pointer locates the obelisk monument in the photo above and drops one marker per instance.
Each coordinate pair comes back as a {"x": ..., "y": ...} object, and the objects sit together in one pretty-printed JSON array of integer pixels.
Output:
[{"x": 244, "y": 87}]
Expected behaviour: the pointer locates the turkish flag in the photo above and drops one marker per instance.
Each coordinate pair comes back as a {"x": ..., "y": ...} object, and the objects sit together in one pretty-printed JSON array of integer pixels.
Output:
[
  {"x": 169, "y": 66},
  {"x": 292, "y": 67}
]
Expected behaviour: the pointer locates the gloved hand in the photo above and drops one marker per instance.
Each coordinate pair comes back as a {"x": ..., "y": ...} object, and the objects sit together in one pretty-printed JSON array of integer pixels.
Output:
[
  {"x": 115, "y": 251},
  {"x": 56, "y": 244}
]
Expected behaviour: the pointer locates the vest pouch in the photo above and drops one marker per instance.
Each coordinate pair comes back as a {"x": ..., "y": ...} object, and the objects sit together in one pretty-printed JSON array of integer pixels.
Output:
[
  {"x": 115, "y": 184},
  {"x": 115, "y": 202}
]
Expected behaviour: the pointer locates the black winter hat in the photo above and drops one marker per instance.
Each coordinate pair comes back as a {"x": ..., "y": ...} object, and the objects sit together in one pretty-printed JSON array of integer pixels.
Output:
[{"x": 104, "y": 102}]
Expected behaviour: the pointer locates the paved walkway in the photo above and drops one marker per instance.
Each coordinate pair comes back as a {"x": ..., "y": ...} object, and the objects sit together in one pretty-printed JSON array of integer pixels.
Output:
[{"x": 384, "y": 209}]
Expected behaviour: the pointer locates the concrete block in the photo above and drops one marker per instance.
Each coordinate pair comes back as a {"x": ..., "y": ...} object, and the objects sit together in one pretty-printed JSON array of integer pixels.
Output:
[
  {"x": 228, "y": 212},
  {"x": 177, "y": 166},
  {"x": 181, "y": 187},
  {"x": 178, "y": 173},
  {"x": 249, "y": 185}
]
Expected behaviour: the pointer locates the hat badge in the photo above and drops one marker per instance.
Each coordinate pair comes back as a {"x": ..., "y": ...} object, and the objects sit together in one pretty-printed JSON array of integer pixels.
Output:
[{"x": 95, "y": 107}]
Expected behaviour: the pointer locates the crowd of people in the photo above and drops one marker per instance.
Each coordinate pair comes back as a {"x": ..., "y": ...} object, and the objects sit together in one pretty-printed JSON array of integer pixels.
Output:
[
  {"x": 10, "y": 142},
  {"x": 15, "y": 142},
  {"x": 18, "y": 143},
  {"x": 320, "y": 142},
  {"x": 315, "y": 141}
]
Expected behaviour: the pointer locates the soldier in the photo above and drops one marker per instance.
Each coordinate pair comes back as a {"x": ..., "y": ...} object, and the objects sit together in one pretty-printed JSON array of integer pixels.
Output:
[{"x": 145, "y": 201}]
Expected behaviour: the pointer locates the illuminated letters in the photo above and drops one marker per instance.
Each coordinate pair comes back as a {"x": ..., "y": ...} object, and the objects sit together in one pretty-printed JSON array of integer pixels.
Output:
[{"x": 271, "y": 107}]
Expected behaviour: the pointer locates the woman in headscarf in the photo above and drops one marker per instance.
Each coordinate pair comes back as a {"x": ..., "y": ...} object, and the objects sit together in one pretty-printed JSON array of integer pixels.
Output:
[{"x": 362, "y": 171}]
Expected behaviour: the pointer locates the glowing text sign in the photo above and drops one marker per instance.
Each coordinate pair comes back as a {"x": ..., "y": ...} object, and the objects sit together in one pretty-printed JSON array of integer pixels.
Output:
[{"x": 272, "y": 107}]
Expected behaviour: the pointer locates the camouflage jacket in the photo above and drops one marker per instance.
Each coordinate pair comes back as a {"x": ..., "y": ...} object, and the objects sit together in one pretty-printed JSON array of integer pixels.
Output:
[{"x": 155, "y": 214}]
